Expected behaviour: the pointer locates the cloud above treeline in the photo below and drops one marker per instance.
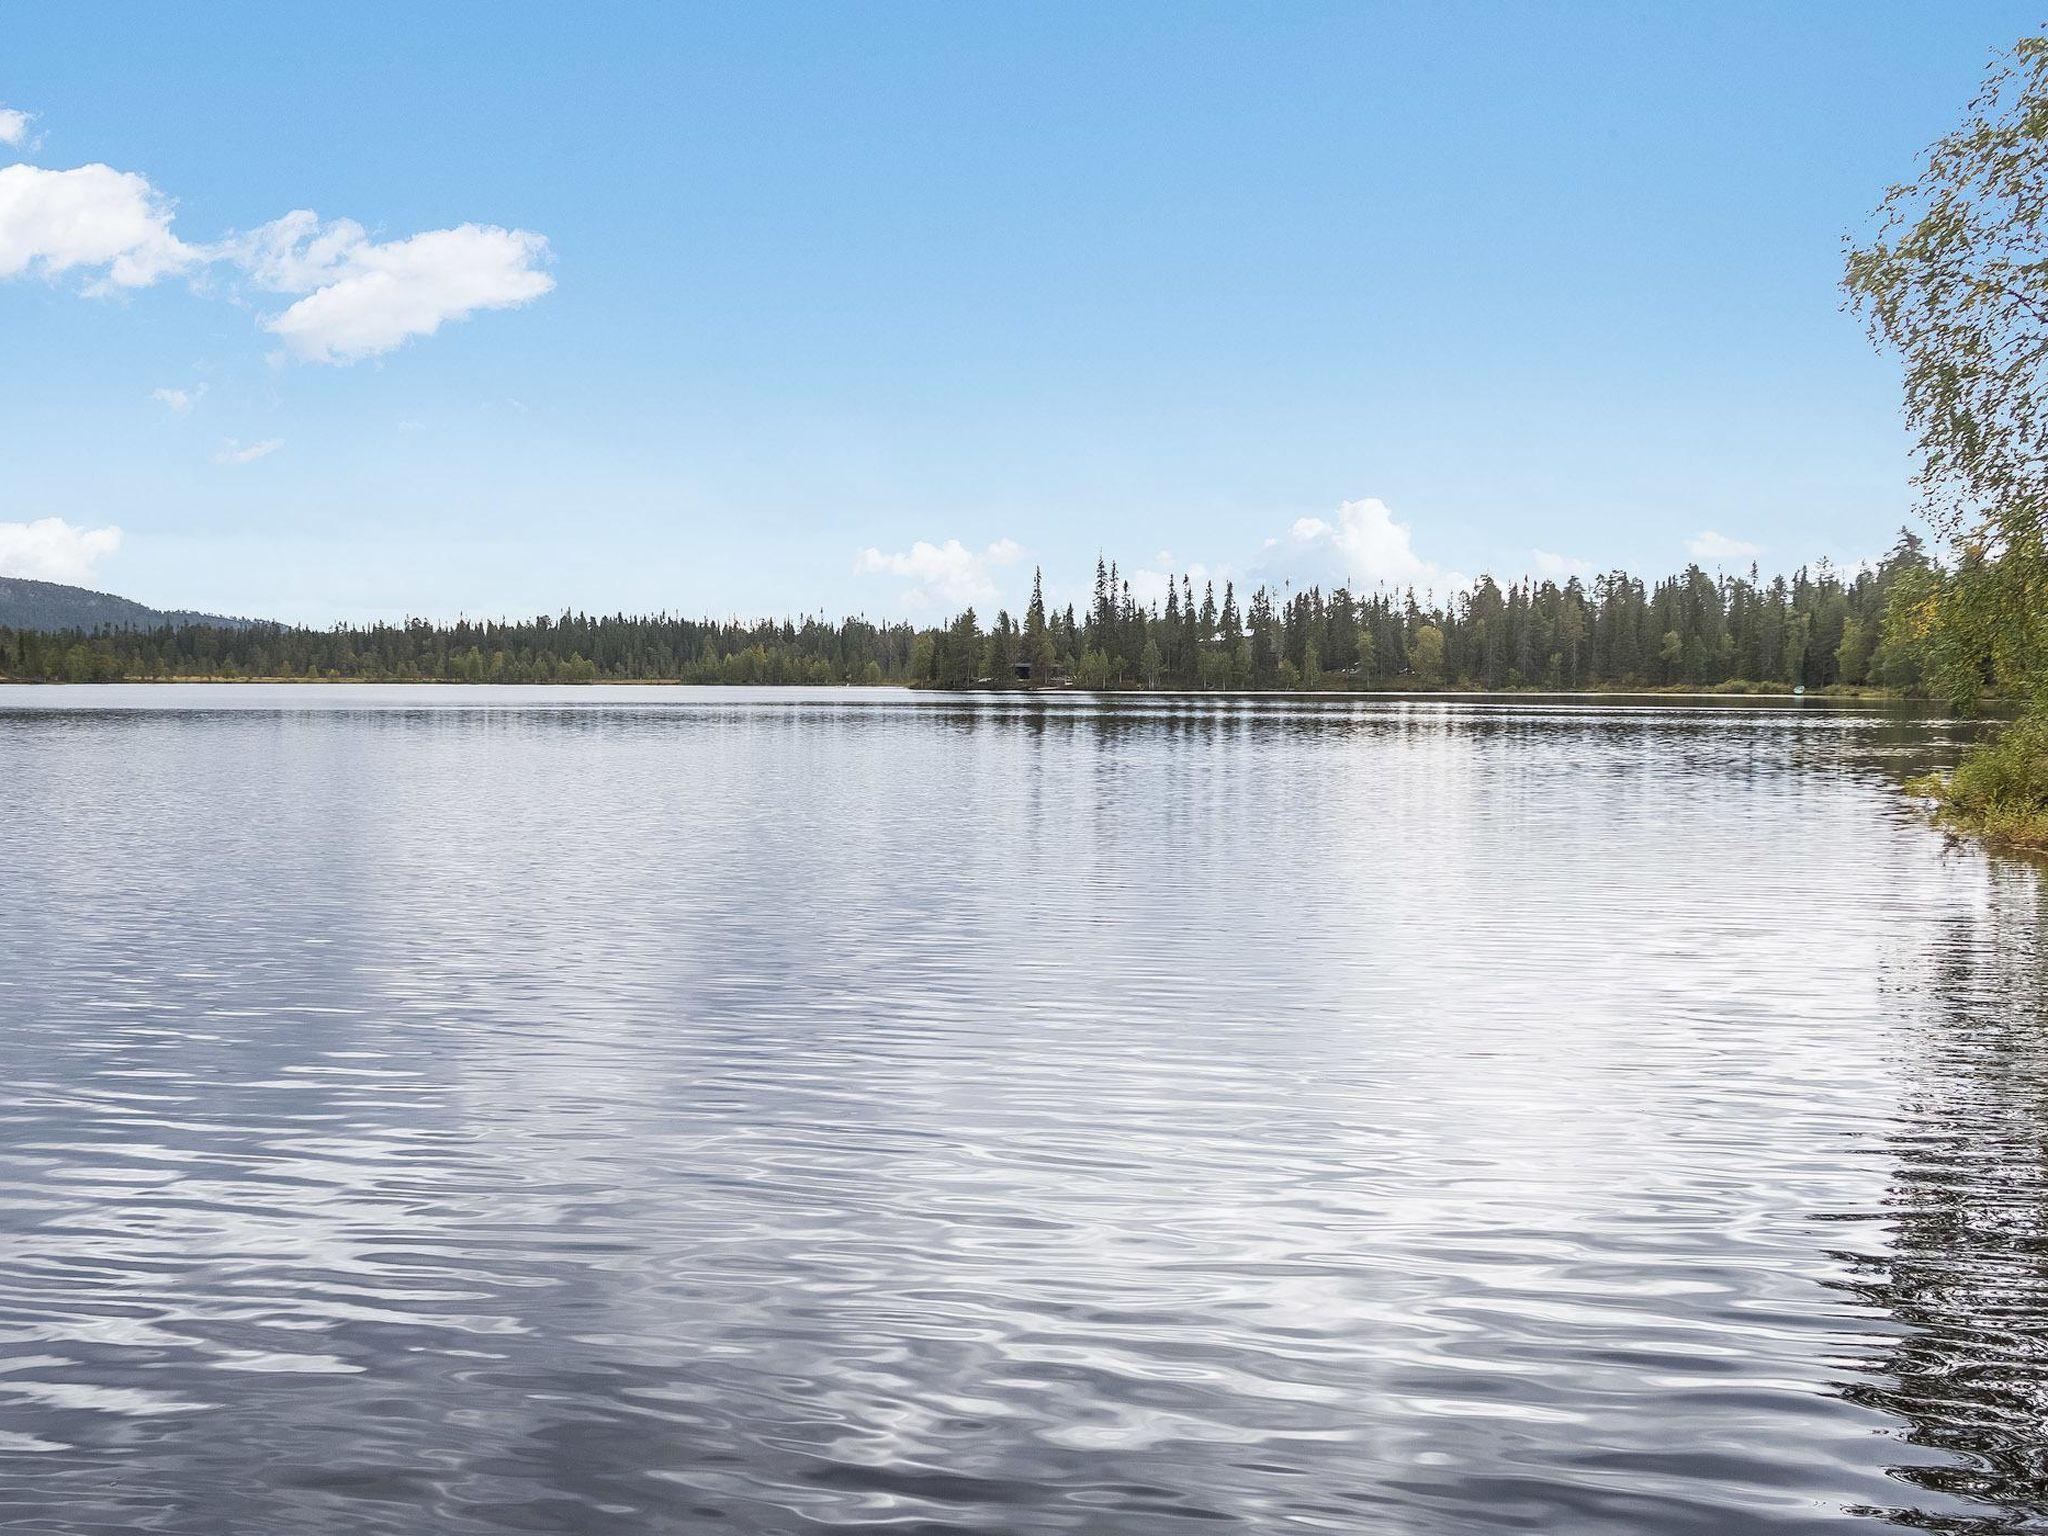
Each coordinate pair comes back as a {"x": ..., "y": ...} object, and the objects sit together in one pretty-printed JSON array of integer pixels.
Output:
[
  {"x": 1718, "y": 546},
  {"x": 50, "y": 549},
  {"x": 948, "y": 573},
  {"x": 1555, "y": 567},
  {"x": 1361, "y": 546},
  {"x": 355, "y": 297}
]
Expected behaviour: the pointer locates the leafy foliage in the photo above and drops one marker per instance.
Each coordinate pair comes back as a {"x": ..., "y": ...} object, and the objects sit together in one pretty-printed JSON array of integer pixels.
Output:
[
  {"x": 1955, "y": 280},
  {"x": 2000, "y": 791}
]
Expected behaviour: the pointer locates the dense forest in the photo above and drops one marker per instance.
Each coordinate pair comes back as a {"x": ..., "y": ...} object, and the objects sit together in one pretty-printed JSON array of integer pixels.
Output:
[{"x": 1816, "y": 629}]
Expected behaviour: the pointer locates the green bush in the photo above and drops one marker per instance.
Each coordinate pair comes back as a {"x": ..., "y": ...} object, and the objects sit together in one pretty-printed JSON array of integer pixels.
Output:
[{"x": 1999, "y": 791}]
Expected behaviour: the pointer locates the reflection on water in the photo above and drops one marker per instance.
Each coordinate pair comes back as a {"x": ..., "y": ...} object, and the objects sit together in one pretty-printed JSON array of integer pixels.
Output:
[
  {"x": 652, "y": 1109},
  {"x": 1966, "y": 1272}
]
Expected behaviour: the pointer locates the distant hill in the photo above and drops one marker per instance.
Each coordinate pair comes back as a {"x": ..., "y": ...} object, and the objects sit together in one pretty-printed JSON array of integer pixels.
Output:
[{"x": 26, "y": 604}]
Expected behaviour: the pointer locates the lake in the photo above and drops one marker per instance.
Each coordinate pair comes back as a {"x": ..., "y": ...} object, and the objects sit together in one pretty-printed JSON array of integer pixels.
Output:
[{"x": 617, "y": 1110}]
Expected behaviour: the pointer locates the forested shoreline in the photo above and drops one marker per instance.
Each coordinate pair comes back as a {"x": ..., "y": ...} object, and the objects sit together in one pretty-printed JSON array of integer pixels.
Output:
[{"x": 1818, "y": 628}]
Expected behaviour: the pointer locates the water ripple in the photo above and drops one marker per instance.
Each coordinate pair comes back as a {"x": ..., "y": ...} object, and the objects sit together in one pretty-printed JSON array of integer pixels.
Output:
[{"x": 651, "y": 1109}]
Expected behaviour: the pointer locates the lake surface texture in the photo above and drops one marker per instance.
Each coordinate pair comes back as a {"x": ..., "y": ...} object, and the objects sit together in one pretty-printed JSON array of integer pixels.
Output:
[{"x": 661, "y": 1110}]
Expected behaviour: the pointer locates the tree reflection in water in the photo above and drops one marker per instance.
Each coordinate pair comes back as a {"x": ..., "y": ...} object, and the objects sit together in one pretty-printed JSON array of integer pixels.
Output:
[{"x": 1966, "y": 1279}]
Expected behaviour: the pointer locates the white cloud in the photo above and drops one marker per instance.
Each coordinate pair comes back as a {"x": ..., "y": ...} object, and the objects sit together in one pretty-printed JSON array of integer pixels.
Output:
[
  {"x": 50, "y": 549},
  {"x": 14, "y": 125},
  {"x": 364, "y": 297},
  {"x": 179, "y": 401},
  {"x": 1364, "y": 547},
  {"x": 297, "y": 253},
  {"x": 94, "y": 217},
  {"x": 234, "y": 452},
  {"x": 360, "y": 297},
  {"x": 1718, "y": 546},
  {"x": 1557, "y": 567},
  {"x": 950, "y": 572}
]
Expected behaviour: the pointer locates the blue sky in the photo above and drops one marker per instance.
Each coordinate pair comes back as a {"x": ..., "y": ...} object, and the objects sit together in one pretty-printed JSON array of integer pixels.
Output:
[{"x": 738, "y": 305}]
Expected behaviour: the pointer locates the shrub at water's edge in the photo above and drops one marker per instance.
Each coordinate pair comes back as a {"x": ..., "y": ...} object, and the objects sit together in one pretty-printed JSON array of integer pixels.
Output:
[{"x": 1999, "y": 792}]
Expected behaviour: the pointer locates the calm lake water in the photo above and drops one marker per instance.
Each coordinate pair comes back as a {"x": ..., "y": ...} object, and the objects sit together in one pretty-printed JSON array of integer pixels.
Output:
[{"x": 430, "y": 1110}]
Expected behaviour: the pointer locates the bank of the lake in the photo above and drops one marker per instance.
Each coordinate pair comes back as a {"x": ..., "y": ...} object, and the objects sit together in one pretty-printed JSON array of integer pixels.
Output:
[
  {"x": 1998, "y": 792},
  {"x": 1813, "y": 629},
  {"x": 1333, "y": 688}
]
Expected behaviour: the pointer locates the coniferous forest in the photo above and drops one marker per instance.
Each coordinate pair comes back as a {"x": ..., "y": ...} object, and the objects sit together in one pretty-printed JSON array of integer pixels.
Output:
[{"x": 1819, "y": 628}]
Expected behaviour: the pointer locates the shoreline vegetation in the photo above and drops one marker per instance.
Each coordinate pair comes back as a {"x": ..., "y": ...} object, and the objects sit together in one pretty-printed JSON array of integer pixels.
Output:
[
  {"x": 1818, "y": 631},
  {"x": 1728, "y": 690},
  {"x": 1951, "y": 279},
  {"x": 1998, "y": 793},
  {"x": 1874, "y": 634}
]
